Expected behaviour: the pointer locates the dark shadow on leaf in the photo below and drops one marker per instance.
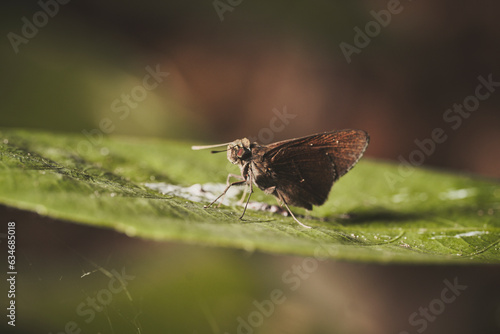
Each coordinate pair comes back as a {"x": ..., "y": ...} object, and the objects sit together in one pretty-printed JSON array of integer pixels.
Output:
[{"x": 379, "y": 215}]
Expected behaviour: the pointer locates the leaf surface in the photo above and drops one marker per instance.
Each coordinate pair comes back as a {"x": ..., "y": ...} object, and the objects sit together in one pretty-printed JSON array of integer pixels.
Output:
[{"x": 378, "y": 212}]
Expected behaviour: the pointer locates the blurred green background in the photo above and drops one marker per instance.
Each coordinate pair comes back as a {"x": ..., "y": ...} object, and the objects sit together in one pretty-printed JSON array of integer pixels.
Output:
[{"x": 83, "y": 69}]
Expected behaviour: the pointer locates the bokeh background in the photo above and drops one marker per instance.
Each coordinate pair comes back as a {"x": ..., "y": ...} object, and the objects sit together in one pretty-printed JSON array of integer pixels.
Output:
[{"x": 228, "y": 74}]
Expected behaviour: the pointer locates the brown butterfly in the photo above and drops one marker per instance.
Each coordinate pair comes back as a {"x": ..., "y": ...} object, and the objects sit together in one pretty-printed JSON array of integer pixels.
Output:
[{"x": 300, "y": 171}]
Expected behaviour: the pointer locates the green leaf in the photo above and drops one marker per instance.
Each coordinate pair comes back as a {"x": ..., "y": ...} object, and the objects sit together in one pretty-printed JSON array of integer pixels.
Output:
[{"x": 378, "y": 212}]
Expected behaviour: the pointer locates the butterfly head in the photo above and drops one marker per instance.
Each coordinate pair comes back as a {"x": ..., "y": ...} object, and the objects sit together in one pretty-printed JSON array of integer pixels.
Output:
[{"x": 239, "y": 151}]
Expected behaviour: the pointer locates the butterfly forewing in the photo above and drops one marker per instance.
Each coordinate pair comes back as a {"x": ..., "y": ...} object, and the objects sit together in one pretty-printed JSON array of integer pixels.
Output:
[{"x": 304, "y": 169}]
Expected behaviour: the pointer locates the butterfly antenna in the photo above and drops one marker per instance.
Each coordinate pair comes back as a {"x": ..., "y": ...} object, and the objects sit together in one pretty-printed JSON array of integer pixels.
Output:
[
  {"x": 218, "y": 151},
  {"x": 203, "y": 147}
]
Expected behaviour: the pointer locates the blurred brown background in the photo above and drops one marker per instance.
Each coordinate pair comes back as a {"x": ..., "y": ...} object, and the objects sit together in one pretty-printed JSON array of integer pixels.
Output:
[
  {"x": 226, "y": 77},
  {"x": 226, "y": 80}
]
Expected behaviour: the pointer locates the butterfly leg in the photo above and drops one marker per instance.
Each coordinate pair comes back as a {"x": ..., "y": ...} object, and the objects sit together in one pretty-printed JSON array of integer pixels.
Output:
[
  {"x": 225, "y": 191},
  {"x": 229, "y": 176},
  {"x": 290, "y": 211},
  {"x": 236, "y": 176},
  {"x": 248, "y": 198}
]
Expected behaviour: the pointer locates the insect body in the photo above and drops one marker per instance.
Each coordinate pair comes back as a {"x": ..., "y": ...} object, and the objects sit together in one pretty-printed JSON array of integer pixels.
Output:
[{"x": 299, "y": 172}]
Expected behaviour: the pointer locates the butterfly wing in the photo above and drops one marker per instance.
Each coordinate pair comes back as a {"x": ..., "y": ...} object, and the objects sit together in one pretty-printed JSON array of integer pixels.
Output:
[{"x": 303, "y": 170}]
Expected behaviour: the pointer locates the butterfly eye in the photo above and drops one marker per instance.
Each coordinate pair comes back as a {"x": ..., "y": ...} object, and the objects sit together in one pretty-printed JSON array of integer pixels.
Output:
[{"x": 240, "y": 152}]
